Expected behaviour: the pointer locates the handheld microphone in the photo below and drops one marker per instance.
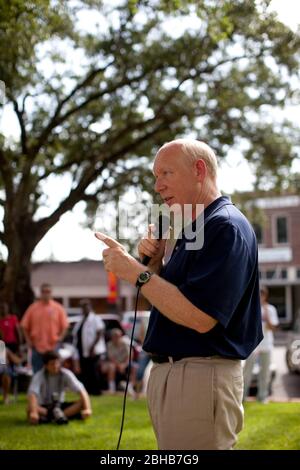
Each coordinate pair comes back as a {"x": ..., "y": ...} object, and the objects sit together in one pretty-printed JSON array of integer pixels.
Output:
[{"x": 161, "y": 227}]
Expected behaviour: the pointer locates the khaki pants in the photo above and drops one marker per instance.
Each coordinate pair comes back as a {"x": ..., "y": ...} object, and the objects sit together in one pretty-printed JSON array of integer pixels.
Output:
[{"x": 196, "y": 403}]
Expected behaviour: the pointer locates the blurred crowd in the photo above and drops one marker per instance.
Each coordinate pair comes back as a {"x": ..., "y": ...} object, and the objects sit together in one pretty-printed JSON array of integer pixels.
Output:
[{"x": 56, "y": 356}]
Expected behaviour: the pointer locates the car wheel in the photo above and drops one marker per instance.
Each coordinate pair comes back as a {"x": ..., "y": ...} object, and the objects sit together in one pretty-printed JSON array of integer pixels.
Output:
[{"x": 293, "y": 369}]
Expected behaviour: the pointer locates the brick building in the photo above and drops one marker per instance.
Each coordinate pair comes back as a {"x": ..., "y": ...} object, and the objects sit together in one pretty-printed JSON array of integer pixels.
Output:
[{"x": 279, "y": 252}]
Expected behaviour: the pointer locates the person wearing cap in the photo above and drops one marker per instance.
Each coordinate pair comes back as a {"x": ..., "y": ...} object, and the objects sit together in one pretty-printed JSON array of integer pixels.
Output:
[{"x": 46, "y": 394}]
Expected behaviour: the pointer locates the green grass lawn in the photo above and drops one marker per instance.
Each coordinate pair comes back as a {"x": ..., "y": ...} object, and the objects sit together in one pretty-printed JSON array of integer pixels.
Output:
[
  {"x": 101, "y": 431},
  {"x": 272, "y": 426},
  {"x": 275, "y": 426}
]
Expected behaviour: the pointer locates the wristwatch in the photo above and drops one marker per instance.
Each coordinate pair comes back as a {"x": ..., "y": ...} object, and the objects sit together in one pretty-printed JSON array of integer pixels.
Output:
[{"x": 143, "y": 278}]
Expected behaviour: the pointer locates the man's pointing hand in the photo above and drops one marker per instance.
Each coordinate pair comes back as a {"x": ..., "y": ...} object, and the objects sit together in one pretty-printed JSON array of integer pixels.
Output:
[
  {"x": 117, "y": 260},
  {"x": 110, "y": 242}
]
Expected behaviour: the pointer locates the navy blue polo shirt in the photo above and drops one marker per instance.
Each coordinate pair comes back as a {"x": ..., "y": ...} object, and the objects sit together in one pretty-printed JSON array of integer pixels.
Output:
[{"x": 221, "y": 279}]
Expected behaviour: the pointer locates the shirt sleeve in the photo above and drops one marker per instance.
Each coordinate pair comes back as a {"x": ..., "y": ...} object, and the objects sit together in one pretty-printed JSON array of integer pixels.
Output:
[
  {"x": 35, "y": 385},
  {"x": 217, "y": 283},
  {"x": 25, "y": 322},
  {"x": 72, "y": 382},
  {"x": 100, "y": 326},
  {"x": 64, "y": 322},
  {"x": 125, "y": 351},
  {"x": 272, "y": 315}
]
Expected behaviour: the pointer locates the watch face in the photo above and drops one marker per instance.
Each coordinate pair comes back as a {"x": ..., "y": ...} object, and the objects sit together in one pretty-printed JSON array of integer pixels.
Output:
[{"x": 144, "y": 277}]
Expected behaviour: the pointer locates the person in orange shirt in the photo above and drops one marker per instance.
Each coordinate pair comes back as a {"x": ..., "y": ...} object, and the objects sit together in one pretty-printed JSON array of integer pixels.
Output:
[{"x": 45, "y": 324}]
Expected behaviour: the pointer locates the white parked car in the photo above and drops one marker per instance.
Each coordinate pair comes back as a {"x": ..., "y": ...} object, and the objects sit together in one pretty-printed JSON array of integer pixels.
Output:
[
  {"x": 292, "y": 354},
  {"x": 141, "y": 324}
]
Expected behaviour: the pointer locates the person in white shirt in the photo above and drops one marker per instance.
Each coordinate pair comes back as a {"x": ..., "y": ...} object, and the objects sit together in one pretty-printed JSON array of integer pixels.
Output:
[
  {"x": 88, "y": 338},
  {"x": 263, "y": 352}
]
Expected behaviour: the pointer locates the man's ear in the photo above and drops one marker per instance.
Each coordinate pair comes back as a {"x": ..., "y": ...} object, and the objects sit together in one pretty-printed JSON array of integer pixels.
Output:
[{"x": 201, "y": 169}]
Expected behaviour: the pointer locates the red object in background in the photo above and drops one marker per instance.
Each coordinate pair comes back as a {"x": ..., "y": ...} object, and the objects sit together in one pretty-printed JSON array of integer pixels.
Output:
[
  {"x": 8, "y": 327},
  {"x": 112, "y": 288}
]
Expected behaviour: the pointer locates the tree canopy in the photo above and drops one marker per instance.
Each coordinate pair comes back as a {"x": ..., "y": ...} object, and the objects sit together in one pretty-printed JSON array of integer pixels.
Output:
[{"x": 141, "y": 73}]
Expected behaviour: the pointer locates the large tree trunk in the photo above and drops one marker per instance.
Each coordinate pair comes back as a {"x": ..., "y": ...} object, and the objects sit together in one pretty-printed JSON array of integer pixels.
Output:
[{"x": 15, "y": 288}]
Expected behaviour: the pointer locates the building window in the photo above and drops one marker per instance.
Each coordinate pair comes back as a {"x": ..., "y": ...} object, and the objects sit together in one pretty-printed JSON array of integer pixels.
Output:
[
  {"x": 271, "y": 274},
  {"x": 283, "y": 274},
  {"x": 277, "y": 297},
  {"x": 258, "y": 232},
  {"x": 281, "y": 230}
]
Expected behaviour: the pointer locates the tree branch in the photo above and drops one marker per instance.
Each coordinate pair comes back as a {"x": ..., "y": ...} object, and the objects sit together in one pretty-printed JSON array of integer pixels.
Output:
[
  {"x": 88, "y": 79},
  {"x": 58, "y": 169},
  {"x": 75, "y": 195},
  {"x": 100, "y": 94},
  {"x": 54, "y": 121},
  {"x": 126, "y": 129},
  {"x": 20, "y": 116},
  {"x": 135, "y": 126},
  {"x": 211, "y": 68},
  {"x": 7, "y": 176},
  {"x": 58, "y": 119},
  {"x": 24, "y": 100},
  {"x": 106, "y": 188}
]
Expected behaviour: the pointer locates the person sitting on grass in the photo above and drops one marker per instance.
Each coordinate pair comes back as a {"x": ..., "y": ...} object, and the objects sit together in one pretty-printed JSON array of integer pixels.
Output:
[
  {"x": 46, "y": 394},
  {"x": 116, "y": 366}
]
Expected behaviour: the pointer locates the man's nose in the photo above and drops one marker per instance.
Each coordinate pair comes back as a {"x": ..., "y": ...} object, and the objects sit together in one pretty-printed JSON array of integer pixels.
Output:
[{"x": 159, "y": 186}]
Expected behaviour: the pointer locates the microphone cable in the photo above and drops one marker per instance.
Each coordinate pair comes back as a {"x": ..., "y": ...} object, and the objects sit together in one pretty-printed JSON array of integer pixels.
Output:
[
  {"x": 163, "y": 225},
  {"x": 129, "y": 368}
]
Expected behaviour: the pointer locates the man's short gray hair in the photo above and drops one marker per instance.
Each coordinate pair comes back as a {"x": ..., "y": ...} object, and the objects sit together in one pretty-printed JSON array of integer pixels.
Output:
[{"x": 196, "y": 149}]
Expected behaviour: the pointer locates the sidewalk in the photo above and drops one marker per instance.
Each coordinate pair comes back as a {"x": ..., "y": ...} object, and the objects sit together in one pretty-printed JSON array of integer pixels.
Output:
[
  {"x": 286, "y": 386},
  {"x": 274, "y": 399},
  {"x": 281, "y": 337}
]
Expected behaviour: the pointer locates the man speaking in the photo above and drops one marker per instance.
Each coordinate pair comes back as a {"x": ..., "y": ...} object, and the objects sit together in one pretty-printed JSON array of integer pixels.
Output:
[{"x": 206, "y": 310}]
